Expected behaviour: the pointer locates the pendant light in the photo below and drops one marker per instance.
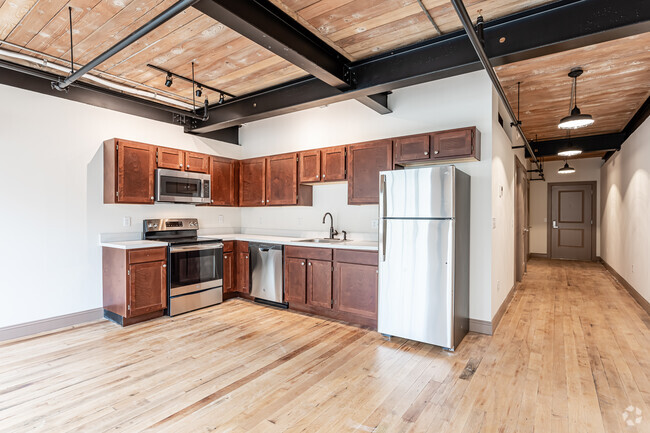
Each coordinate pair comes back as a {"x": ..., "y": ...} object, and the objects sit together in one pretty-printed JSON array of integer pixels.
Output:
[
  {"x": 567, "y": 169},
  {"x": 575, "y": 119},
  {"x": 570, "y": 152}
]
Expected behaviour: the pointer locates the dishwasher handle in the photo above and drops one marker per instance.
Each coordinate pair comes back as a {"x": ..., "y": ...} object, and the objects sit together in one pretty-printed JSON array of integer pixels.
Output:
[{"x": 263, "y": 250}]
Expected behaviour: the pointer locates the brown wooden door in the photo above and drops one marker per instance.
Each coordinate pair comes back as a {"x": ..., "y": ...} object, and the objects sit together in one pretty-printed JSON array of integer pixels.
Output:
[
  {"x": 455, "y": 143},
  {"x": 365, "y": 161},
  {"x": 228, "y": 271},
  {"x": 572, "y": 221},
  {"x": 355, "y": 289},
  {"x": 333, "y": 163},
  {"x": 252, "y": 182},
  {"x": 309, "y": 166},
  {"x": 222, "y": 175},
  {"x": 319, "y": 283},
  {"x": 295, "y": 280},
  {"x": 169, "y": 158},
  {"x": 282, "y": 179},
  {"x": 197, "y": 162},
  {"x": 135, "y": 172},
  {"x": 147, "y": 291},
  {"x": 522, "y": 229},
  {"x": 243, "y": 267},
  {"x": 413, "y": 148}
]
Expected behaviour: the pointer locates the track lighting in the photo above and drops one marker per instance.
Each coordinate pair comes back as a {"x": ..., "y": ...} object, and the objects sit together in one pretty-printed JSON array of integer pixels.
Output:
[
  {"x": 198, "y": 92},
  {"x": 567, "y": 169},
  {"x": 221, "y": 98},
  {"x": 575, "y": 119},
  {"x": 169, "y": 80}
]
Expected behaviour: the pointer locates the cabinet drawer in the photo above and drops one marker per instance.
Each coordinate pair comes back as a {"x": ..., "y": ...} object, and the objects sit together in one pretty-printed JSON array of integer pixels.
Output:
[
  {"x": 228, "y": 246},
  {"x": 147, "y": 255},
  {"x": 308, "y": 253},
  {"x": 356, "y": 256}
]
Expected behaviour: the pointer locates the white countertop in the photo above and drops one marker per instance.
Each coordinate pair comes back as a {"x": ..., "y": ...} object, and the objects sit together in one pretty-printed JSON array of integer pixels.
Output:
[
  {"x": 132, "y": 245},
  {"x": 296, "y": 241}
]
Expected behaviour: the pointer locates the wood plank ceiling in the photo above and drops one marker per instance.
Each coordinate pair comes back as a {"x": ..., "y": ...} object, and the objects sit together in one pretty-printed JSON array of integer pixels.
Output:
[{"x": 614, "y": 85}]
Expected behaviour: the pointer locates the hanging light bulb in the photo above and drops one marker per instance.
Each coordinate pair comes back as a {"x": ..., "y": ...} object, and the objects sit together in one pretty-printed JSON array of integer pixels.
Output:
[
  {"x": 567, "y": 169},
  {"x": 221, "y": 99},
  {"x": 575, "y": 119},
  {"x": 169, "y": 80}
]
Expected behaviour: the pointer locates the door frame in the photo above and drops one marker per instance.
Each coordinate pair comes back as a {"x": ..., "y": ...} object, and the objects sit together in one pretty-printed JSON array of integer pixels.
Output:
[
  {"x": 594, "y": 214},
  {"x": 519, "y": 165}
]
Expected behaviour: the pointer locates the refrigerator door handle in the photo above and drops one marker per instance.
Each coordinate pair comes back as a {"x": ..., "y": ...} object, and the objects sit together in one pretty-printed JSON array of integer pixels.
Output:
[
  {"x": 384, "y": 227},
  {"x": 382, "y": 192}
]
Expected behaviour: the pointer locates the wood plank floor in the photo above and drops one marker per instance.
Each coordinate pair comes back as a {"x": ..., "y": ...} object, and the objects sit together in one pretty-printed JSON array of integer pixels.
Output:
[{"x": 572, "y": 354}]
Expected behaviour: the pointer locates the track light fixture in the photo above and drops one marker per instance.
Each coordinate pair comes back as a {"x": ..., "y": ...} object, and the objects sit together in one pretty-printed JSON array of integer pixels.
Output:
[
  {"x": 169, "y": 80},
  {"x": 221, "y": 99},
  {"x": 199, "y": 92},
  {"x": 575, "y": 119}
]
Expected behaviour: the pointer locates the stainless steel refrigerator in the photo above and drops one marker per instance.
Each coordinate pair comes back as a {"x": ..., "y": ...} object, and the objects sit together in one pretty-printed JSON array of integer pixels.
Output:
[{"x": 424, "y": 255}]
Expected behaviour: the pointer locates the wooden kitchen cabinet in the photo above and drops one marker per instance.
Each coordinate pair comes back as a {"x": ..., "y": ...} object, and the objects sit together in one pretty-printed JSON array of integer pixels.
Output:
[
  {"x": 228, "y": 267},
  {"x": 365, "y": 161},
  {"x": 197, "y": 162},
  {"x": 128, "y": 172},
  {"x": 282, "y": 179},
  {"x": 252, "y": 182},
  {"x": 134, "y": 284},
  {"x": 413, "y": 148},
  {"x": 243, "y": 267},
  {"x": 224, "y": 178},
  {"x": 309, "y": 166},
  {"x": 333, "y": 164},
  {"x": 169, "y": 158},
  {"x": 319, "y": 283},
  {"x": 295, "y": 280},
  {"x": 355, "y": 287},
  {"x": 455, "y": 144},
  {"x": 303, "y": 266}
]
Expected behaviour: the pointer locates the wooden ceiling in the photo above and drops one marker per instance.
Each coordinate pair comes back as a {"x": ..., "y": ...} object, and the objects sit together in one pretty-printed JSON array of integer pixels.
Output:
[
  {"x": 359, "y": 29},
  {"x": 615, "y": 83}
]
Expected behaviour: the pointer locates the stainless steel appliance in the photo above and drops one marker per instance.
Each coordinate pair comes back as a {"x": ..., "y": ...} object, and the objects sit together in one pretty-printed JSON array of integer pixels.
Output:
[
  {"x": 424, "y": 255},
  {"x": 194, "y": 264},
  {"x": 266, "y": 272},
  {"x": 182, "y": 186}
]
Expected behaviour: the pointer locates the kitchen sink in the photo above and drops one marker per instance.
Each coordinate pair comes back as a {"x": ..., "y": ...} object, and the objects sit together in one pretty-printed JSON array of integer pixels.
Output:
[{"x": 322, "y": 240}]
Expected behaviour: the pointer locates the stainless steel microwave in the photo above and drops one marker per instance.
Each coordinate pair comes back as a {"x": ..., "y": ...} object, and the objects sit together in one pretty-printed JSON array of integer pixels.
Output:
[{"x": 173, "y": 186}]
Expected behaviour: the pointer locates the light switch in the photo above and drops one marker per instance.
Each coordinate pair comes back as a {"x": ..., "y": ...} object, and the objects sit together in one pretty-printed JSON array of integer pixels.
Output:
[
  {"x": 220, "y": 219},
  {"x": 126, "y": 221},
  {"x": 374, "y": 224}
]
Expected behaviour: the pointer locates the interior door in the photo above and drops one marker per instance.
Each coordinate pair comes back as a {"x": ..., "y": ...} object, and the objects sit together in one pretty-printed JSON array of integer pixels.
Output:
[
  {"x": 571, "y": 221},
  {"x": 521, "y": 220}
]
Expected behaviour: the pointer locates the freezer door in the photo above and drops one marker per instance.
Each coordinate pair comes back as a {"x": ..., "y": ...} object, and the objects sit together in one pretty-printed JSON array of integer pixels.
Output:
[
  {"x": 417, "y": 193},
  {"x": 416, "y": 280}
]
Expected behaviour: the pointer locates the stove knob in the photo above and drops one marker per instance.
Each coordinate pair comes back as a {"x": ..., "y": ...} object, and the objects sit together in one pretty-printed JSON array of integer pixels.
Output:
[{"x": 155, "y": 226}]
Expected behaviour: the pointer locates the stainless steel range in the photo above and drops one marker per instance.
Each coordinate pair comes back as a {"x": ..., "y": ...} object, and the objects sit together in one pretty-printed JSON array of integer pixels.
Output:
[{"x": 194, "y": 264}]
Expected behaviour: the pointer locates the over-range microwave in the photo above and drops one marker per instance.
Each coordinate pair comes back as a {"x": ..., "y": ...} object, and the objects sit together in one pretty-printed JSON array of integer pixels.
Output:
[{"x": 173, "y": 186}]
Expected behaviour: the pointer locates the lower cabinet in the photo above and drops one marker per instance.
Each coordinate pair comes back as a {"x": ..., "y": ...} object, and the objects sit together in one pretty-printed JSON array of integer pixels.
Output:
[
  {"x": 340, "y": 284},
  {"x": 228, "y": 267},
  {"x": 134, "y": 284},
  {"x": 243, "y": 267}
]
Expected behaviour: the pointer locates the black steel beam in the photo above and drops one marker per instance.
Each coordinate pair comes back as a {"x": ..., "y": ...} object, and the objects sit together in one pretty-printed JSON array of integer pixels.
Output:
[
  {"x": 593, "y": 143},
  {"x": 378, "y": 102},
  {"x": 267, "y": 25},
  {"x": 639, "y": 117},
  {"x": 228, "y": 135},
  {"x": 544, "y": 30}
]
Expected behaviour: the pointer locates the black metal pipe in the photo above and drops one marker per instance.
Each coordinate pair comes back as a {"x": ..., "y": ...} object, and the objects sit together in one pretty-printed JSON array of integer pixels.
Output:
[
  {"x": 142, "y": 31},
  {"x": 180, "y": 77},
  {"x": 478, "y": 47}
]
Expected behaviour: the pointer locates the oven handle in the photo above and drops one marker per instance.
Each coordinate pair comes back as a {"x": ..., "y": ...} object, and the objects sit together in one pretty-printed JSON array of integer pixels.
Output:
[{"x": 195, "y": 248}]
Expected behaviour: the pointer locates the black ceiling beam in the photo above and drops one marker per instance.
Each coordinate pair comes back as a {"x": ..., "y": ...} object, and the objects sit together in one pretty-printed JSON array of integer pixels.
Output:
[
  {"x": 378, "y": 102},
  {"x": 637, "y": 120},
  {"x": 227, "y": 135},
  {"x": 593, "y": 143},
  {"x": 544, "y": 30}
]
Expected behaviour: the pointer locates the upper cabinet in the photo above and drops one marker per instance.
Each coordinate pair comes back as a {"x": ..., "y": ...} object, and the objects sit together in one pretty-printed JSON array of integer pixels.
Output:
[
  {"x": 365, "y": 161},
  {"x": 224, "y": 181},
  {"x": 322, "y": 165},
  {"x": 413, "y": 148},
  {"x": 282, "y": 179},
  {"x": 252, "y": 181},
  {"x": 197, "y": 162},
  {"x": 309, "y": 166},
  {"x": 272, "y": 181},
  {"x": 128, "y": 172},
  {"x": 461, "y": 144},
  {"x": 169, "y": 158}
]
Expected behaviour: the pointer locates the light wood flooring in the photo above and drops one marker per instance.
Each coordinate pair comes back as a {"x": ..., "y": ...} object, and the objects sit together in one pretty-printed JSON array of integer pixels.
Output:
[{"x": 572, "y": 354}]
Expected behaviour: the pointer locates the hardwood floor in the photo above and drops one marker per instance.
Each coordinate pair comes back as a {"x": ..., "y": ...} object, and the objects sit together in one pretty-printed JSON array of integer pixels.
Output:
[{"x": 572, "y": 354}]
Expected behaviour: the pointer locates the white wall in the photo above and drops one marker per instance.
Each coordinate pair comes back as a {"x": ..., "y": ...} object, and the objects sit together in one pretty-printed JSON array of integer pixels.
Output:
[
  {"x": 625, "y": 210},
  {"x": 587, "y": 169},
  {"x": 52, "y": 205},
  {"x": 450, "y": 103}
]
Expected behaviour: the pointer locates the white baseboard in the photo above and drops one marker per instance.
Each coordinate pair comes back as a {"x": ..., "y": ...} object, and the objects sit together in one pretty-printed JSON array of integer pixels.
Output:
[{"x": 50, "y": 324}]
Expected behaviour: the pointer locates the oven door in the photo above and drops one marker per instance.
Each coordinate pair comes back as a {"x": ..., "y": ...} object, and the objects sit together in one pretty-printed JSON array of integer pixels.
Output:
[
  {"x": 193, "y": 268},
  {"x": 182, "y": 187}
]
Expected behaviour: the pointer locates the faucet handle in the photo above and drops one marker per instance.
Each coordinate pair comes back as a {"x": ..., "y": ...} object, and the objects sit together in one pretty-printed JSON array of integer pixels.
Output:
[{"x": 345, "y": 235}]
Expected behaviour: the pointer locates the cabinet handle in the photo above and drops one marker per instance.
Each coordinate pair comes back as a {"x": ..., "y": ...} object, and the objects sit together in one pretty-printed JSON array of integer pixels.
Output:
[
  {"x": 267, "y": 201},
  {"x": 164, "y": 266},
  {"x": 323, "y": 176},
  {"x": 309, "y": 263},
  {"x": 180, "y": 165},
  {"x": 435, "y": 152},
  {"x": 426, "y": 153},
  {"x": 246, "y": 256},
  {"x": 151, "y": 197},
  {"x": 302, "y": 263}
]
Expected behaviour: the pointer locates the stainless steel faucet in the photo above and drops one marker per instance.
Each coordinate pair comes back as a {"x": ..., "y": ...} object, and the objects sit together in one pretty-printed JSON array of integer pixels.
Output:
[{"x": 332, "y": 231}]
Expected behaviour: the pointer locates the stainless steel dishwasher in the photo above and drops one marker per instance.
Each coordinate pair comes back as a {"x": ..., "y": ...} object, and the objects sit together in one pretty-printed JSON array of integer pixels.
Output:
[{"x": 266, "y": 273}]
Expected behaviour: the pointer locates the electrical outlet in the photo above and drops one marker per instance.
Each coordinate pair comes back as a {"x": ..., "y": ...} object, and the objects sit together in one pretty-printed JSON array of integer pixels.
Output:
[
  {"x": 494, "y": 223},
  {"x": 126, "y": 221},
  {"x": 374, "y": 224},
  {"x": 632, "y": 267},
  {"x": 500, "y": 191},
  {"x": 498, "y": 286},
  {"x": 220, "y": 219}
]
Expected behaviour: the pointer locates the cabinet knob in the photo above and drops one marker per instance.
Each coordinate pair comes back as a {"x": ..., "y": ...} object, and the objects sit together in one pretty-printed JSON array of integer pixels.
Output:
[
  {"x": 426, "y": 153},
  {"x": 302, "y": 263},
  {"x": 323, "y": 176},
  {"x": 309, "y": 263},
  {"x": 188, "y": 166},
  {"x": 267, "y": 201},
  {"x": 246, "y": 256},
  {"x": 164, "y": 266},
  {"x": 435, "y": 152},
  {"x": 151, "y": 197},
  {"x": 180, "y": 165}
]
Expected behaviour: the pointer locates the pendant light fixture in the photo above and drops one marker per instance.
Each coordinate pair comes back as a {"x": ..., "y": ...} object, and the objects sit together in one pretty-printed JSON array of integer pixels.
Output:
[
  {"x": 570, "y": 152},
  {"x": 575, "y": 119},
  {"x": 567, "y": 169}
]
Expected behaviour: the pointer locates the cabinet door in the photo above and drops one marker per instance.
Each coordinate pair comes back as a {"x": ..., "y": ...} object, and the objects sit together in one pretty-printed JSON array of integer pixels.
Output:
[
  {"x": 169, "y": 158},
  {"x": 147, "y": 290},
  {"x": 319, "y": 283},
  {"x": 135, "y": 172},
  {"x": 309, "y": 166},
  {"x": 243, "y": 267},
  {"x": 355, "y": 289},
  {"x": 414, "y": 148},
  {"x": 453, "y": 144},
  {"x": 333, "y": 164},
  {"x": 228, "y": 272},
  {"x": 365, "y": 161},
  {"x": 222, "y": 172},
  {"x": 295, "y": 280},
  {"x": 197, "y": 162},
  {"x": 282, "y": 179},
  {"x": 252, "y": 176}
]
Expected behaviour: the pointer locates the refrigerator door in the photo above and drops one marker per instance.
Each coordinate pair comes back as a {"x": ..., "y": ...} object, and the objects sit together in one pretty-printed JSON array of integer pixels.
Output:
[
  {"x": 418, "y": 193},
  {"x": 416, "y": 280}
]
